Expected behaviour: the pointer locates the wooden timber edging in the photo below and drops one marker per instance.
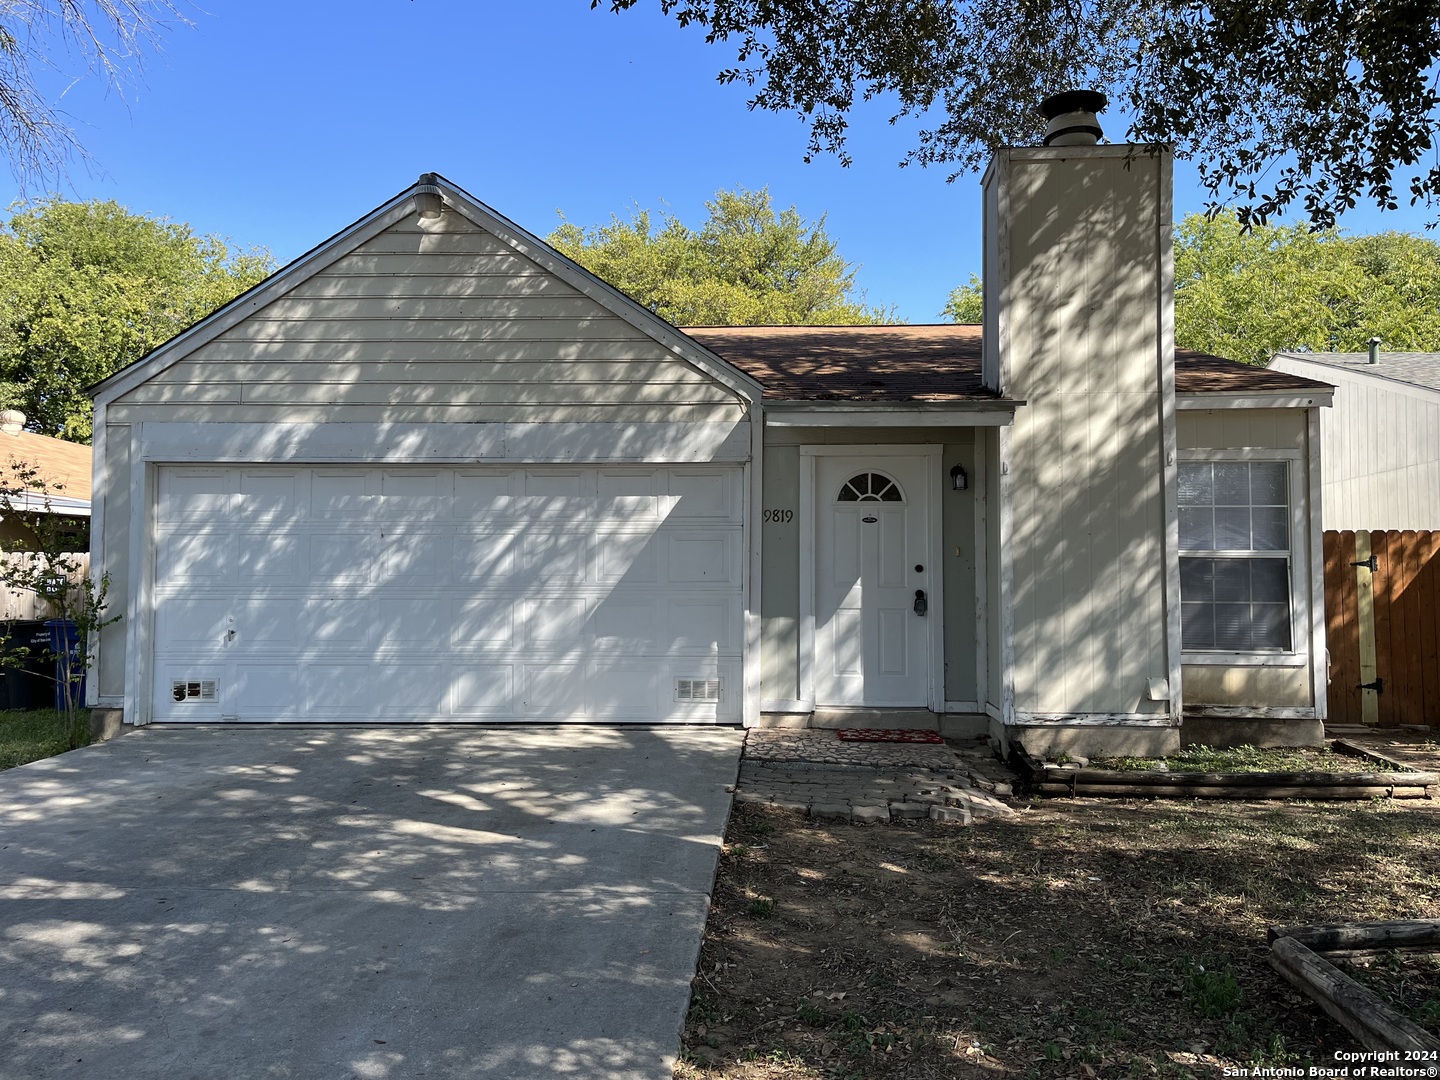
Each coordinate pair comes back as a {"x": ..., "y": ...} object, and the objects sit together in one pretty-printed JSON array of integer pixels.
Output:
[
  {"x": 1295, "y": 952},
  {"x": 1401, "y": 783}
]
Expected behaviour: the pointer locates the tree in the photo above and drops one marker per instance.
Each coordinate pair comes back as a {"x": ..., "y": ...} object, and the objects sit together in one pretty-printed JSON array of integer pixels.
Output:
[
  {"x": 45, "y": 563},
  {"x": 746, "y": 266},
  {"x": 86, "y": 288},
  {"x": 967, "y": 302},
  {"x": 106, "y": 37},
  {"x": 1319, "y": 101},
  {"x": 1248, "y": 293}
]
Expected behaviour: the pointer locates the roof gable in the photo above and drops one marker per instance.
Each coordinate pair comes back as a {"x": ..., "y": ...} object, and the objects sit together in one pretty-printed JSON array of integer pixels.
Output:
[{"x": 378, "y": 246}]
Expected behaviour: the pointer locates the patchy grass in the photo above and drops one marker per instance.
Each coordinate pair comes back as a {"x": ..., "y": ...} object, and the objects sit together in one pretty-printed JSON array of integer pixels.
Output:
[
  {"x": 1410, "y": 982},
  {"x": 1245, "y": 759},
  {"x": 1090, "y": 939},
  {"x": 32, "y": 734}
]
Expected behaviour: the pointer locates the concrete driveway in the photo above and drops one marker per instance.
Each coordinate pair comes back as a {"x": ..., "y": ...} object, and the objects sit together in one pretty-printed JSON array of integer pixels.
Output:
[{"x": 373, "y": 903}]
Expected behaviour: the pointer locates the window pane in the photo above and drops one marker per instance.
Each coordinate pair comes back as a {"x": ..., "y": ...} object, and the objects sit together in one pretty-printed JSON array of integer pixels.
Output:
[
  {"x": 1232, "y": 626},
  {"x": 1197, "y": 579},
  {"x": 1232, "y": 528},
  {"x": 1197, "y": 626},
  {"x": 1197, "y": 487},
  {"x": 1232, "y": 483},
  {"x": 1197, "y": 529},
  {"x": 1270, "y": 626},
  {"x": 1267, "y": 483},
  {"x": 1269, "y": 581},
  {"x": 1232, "y": 580},
  {"x": 1270, "y": 529}
]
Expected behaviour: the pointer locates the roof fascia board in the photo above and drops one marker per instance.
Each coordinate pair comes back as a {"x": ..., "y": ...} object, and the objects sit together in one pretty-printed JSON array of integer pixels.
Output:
[
  {"x": 606, "y": 295},
  {"x": 1359, "y": 373},
  {"x": 1282, "y": 399},
  {"x": 825, "y": 414},
  {"x": 252, "y": 300}
]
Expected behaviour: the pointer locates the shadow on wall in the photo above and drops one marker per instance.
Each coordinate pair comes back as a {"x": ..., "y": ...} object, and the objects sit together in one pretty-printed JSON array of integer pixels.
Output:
[{"x": 293, "y": 902}]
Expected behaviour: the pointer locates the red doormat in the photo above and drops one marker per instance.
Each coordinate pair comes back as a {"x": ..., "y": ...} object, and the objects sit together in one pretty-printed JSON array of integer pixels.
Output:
[{"x": 870, "y": 734}]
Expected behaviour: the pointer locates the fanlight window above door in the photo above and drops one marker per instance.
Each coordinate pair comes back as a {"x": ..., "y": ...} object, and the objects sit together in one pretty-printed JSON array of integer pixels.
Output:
[{"x": 870, "y": 487}]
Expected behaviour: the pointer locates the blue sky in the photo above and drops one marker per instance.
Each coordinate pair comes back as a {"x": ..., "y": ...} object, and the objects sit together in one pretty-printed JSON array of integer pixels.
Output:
[{"x": 277, "y": 124}]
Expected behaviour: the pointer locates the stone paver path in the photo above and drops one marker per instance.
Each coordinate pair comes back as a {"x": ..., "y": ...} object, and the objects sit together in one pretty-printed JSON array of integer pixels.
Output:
[{"x": 813, "y": 771}]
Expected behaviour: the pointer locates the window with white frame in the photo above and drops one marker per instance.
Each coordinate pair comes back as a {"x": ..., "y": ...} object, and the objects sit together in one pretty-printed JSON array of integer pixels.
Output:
[{"x": 1235, "y": 556}]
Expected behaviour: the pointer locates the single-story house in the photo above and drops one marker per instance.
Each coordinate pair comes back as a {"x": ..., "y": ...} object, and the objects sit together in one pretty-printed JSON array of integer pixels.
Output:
[
  {"x": 1380, "y": 443},
  {"x": 45, "y": 476},
  {"x": 434, "y": 471}
]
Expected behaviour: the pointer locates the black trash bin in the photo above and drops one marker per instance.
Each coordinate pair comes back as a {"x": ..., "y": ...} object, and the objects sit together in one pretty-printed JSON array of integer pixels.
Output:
[{"x": 26, "y": 686}]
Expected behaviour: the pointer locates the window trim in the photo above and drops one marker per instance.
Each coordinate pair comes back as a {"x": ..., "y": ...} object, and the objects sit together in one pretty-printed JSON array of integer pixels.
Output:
[{"x": 1297, "y": 495}]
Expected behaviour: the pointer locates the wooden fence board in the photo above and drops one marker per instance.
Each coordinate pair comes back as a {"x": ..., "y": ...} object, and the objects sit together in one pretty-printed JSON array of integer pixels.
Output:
[
  {"x": 1341, "y": 633},
  {"x": 24, "y": 604},
  {"x": 1392, "y": 614},
  {"x": 1427, "y": 599}
]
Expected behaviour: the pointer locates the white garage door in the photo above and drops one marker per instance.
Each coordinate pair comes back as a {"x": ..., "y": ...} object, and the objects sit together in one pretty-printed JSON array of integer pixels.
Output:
[{"x": 478, "y": 594}]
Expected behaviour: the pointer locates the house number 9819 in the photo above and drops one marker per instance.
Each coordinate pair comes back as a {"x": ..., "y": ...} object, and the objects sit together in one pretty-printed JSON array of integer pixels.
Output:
[{"x": 780, "y": 517}]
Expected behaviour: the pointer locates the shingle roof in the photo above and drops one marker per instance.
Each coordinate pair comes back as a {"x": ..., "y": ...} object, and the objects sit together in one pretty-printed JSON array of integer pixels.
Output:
[
  {"x": 937, "y": 363},
  {"x": 64, "y": 466},
  {"x": 1415, "y": 368}
]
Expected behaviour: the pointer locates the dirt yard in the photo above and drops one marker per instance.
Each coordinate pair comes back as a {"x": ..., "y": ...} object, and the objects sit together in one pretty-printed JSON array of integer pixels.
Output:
[{"x": 1082, "y": 938}]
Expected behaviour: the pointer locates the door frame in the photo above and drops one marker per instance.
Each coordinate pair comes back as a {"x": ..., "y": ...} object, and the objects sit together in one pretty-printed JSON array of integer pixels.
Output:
[{"x": 930, "y": 454}]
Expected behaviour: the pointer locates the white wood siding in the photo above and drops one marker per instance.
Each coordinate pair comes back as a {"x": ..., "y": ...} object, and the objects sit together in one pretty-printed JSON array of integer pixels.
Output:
[
  {"x": 1380, "y": 445},
  {"x": 419, "y": 325},
  {"x": 1078, "y": 291}
]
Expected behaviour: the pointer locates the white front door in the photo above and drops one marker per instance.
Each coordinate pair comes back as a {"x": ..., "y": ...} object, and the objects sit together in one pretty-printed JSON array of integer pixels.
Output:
[{"x": 872, "y": 550}]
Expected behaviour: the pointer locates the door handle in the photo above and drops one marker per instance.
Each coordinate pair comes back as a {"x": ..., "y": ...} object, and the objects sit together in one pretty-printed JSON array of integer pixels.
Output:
[{"x": 921, "y": 604}]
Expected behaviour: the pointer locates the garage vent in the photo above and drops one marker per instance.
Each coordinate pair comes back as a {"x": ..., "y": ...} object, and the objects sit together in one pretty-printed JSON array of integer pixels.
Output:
[
  {"x": 697, "y": 689},
  {"x": 196, "y": 690}
]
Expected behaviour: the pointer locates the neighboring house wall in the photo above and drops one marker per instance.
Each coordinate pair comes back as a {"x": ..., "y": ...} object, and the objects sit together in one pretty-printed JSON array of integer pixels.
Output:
[
  {"x": 1079, "y": 275},
  {"x": 1225, "y": 681},
  {"x": 1381, "y": 448}
]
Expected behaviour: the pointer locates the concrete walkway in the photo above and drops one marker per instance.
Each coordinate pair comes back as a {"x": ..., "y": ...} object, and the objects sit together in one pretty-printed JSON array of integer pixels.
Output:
[{"x": 378, "y": 904}]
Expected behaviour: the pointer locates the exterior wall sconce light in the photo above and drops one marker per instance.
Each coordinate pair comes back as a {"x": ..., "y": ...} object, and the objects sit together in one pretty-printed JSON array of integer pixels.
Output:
[{"x": 958, "y": 480}]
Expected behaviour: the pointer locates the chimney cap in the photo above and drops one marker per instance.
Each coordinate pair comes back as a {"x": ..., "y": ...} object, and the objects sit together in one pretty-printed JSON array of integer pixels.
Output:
[{"x": 1072, "y": 101}]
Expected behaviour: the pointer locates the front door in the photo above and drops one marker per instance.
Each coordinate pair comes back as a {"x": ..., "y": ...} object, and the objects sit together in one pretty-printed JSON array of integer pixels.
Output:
[{"x": 875, "y": 610}]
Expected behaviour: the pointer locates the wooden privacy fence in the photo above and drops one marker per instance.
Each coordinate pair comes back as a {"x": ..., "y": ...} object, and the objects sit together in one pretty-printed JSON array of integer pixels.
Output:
[
  {"x": 23, "y": 603},
  {"x": 1382, "y": 627}
]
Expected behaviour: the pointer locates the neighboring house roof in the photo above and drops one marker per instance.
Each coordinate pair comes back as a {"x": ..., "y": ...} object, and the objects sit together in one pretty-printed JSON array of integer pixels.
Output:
[
  {"x": 1420, "y": 369},
  {"x": 63, "y": 466},
  {"x": 935, "y": 363}
]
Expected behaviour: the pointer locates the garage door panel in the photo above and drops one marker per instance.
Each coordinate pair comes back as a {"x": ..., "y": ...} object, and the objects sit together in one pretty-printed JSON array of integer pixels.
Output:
[
  {"x": 271, "y": 558},
  {"x": 484, "y": 690},
  {"x": 263, "y": 690},
  {"x": 626, "y": 557},
  {"x": 704, "y": 624},
  {"x": 485, "y": 624},
  {"x": 554, "y": 620},
  {"x": 696, "y": 558},
  {"x": 628, "y": 625},
  {"x": 339, "y": 558},
  {"x": 486, "y": 557},
  {"x": 415, "y": 558},
  {"x": 337, "y": 621},
  {"x": 373, "y": 690},
  {"x": 198, "y": 620},
  {"x": 551, "y": 558},
  {"x": 556, "y": 690},
  {"x": 196, "y": 557},
  {"x": 500, "y": 593}
]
